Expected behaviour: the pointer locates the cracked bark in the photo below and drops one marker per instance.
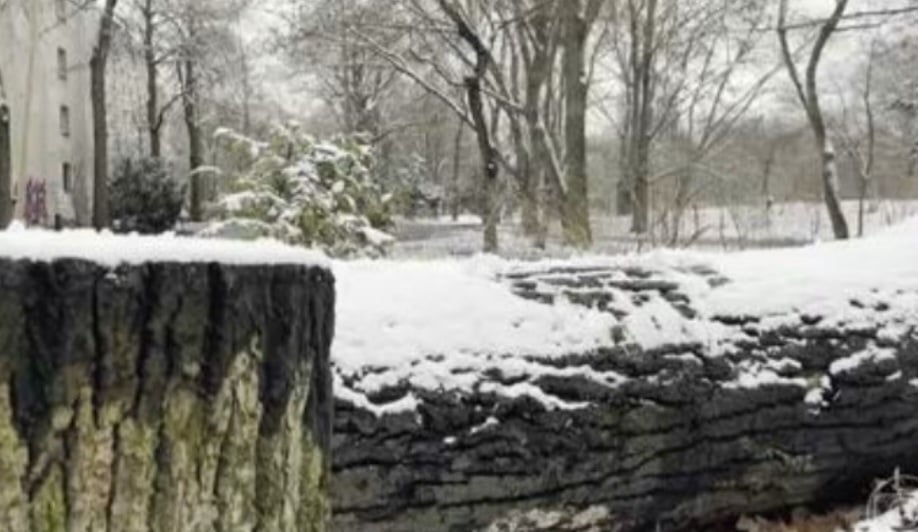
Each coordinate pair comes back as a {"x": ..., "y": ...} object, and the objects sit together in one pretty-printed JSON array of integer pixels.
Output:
[
  {"x": 164, "y": 397},
  {"x": 671, "y": 448}
]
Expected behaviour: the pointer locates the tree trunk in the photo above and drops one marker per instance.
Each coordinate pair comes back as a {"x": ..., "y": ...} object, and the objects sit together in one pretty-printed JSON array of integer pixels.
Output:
[
  {"x": 195, "y": 140},
  {"x": 6, "y": 164},
  {"x": 640, "y": 222},
  {"x": 101, "y": 210},
  {"x": 678, "y": 437},
  {"x": 154, "y": 120},
  {"x": 808, "y": 95},
  {"x": 576, "y": 202},
  {"x": 830, "y": 189},
  {"x": 490, "y": 165},
  {"x": 642, "y": 57},
  {"x": 164, "y": 397},
  {"x": 489, "y": 157},
  {"x": 455, "y": 185}
]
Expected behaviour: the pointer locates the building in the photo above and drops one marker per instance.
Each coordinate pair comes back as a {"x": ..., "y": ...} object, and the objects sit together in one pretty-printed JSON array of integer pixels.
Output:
[{"x": 45, "y": 47}]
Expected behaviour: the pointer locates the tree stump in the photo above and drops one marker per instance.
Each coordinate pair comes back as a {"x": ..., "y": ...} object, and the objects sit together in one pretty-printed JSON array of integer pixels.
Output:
[{"x": 164, "y": 396}]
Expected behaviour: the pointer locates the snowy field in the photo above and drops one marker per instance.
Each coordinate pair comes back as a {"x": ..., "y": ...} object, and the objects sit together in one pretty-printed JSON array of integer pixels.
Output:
[{"x": 712, "y": 229}]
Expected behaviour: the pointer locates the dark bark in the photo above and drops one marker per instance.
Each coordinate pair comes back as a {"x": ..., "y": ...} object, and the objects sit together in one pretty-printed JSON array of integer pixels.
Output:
[
  {"x": 6, "y": 164},
  {"x": 490, "y": 159},
  {"x": 155, "y": 118},
  {"x": 490, "y": 165},
  {"x": 164, "y": 397},
  {"x": 195, "y": 138},
  {"x": 98, "y": 63},
  {"x": 674, "y": 445}
]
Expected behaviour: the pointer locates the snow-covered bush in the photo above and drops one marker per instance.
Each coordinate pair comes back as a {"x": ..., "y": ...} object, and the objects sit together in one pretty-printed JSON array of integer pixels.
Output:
[
  {"x": 303, "y": 191},
  {"x": 144, "y": 197}
]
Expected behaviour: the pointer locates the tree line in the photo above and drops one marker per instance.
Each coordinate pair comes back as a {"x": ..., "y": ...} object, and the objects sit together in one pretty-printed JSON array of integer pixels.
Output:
[{"x": 533, "y": 106}]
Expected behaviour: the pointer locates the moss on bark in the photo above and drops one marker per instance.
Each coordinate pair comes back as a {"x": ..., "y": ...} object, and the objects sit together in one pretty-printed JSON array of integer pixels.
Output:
[{"x": 165, "y": 397}]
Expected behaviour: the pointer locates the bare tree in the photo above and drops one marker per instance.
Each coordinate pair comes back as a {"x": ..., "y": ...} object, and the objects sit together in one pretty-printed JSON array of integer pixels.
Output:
[
  {"x": 155, "y": 54},
  {"x": 579, "y": 17},
  {"x": 97, "y": 64},
  {"x": 489, "y": 156},
  {"x": 688, "y": 75},
  {"x": 860, "y": 142},
  {"x": 808, "y": 93},
  {"x": 638, "y": 63}
]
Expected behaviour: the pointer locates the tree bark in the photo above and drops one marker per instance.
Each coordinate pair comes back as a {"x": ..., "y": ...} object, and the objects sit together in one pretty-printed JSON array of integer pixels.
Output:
[
  {"x": 455, "y": 201},
  {"x": 101, "y": 212},
  {"x": 490, "y": 159},
  {"x": 634, "y": 191},
  {"x": 6, "y": 163},
  {"x": 677, "y": 440},
  {"x": 576, "y": 202},
  {"x": 490, "y": 165},
  {"x": 164, "y": 397},
  {"x": 195, "y": 139},
  {"x": 154, "y": 118},
  {"x": 641, "y": 218}
]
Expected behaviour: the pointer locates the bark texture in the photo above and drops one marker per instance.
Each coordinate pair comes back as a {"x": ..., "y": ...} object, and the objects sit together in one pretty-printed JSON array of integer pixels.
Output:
[
  {"x": 98, "y": 64},
  {"x": 680, "y": 442},
  {"x": 164, "y": 397},
  {"x": 6, "y": 163}
]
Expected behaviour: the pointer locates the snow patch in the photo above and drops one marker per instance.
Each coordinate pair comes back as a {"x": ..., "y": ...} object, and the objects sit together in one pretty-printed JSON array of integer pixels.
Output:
[
  {"x": 850, "y": 363},
  {"x": 18, "y": 243}
]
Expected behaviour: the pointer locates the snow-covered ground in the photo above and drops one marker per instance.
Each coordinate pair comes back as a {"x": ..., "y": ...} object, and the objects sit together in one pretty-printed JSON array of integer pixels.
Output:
[
  {"x": 444, "y": 324},
  {"x": 712, "y": 229}
]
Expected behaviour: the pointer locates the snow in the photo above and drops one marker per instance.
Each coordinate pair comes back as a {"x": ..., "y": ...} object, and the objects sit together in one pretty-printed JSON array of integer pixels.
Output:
[
  {"x": 18, "y": 243},
  {"x": 396, "y": 313},
  {"x": 810, "y": 278},
  {"x": 901, "y": 518},
  {"x": 851, "y": 363},
  {"x": 449, "y": 325}
]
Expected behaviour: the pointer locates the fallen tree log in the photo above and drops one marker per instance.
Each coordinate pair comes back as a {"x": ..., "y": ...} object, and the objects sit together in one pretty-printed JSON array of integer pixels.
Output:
[
  {"x": 696, "y": 414},
  {"x": 141, "y": 393}
]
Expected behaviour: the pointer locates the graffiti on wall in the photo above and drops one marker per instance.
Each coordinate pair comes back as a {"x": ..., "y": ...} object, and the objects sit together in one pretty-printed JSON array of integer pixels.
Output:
[{"x": 36, "y": 202}]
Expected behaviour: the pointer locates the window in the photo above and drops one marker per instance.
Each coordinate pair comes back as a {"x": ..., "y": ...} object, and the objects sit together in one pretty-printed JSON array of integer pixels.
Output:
[
  {"x": 67, "y": 177},
  {"x": 65, "y": 121},
  {"x": 62, "y": 64},
  {"x": 60, "y": 9}
]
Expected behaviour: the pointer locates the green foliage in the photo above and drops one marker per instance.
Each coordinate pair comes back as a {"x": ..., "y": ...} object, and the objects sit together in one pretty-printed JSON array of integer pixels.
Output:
[
  {"x": 144, "y": 196},
  {"x": 303, "y": 191}
]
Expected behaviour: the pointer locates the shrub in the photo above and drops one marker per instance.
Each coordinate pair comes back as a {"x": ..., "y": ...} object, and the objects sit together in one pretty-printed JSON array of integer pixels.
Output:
[
  {"x": 144, "y": 197},
  {"x": 304, "y": 192}
]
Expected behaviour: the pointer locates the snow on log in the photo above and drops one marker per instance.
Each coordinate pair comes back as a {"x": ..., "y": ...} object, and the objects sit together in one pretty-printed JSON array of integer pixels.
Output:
[
  {"x": 162, "y": 384},
  {"x": 672, "y": 391}
]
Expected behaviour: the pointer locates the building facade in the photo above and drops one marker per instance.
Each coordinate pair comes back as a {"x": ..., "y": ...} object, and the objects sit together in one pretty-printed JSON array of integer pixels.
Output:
[{"x": 45, "y": 48}]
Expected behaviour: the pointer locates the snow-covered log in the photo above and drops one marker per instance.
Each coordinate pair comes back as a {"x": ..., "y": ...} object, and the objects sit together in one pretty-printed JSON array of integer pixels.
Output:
[
  {"x": 162, "y": 384},
  {"x": 665, "y": 392}
]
